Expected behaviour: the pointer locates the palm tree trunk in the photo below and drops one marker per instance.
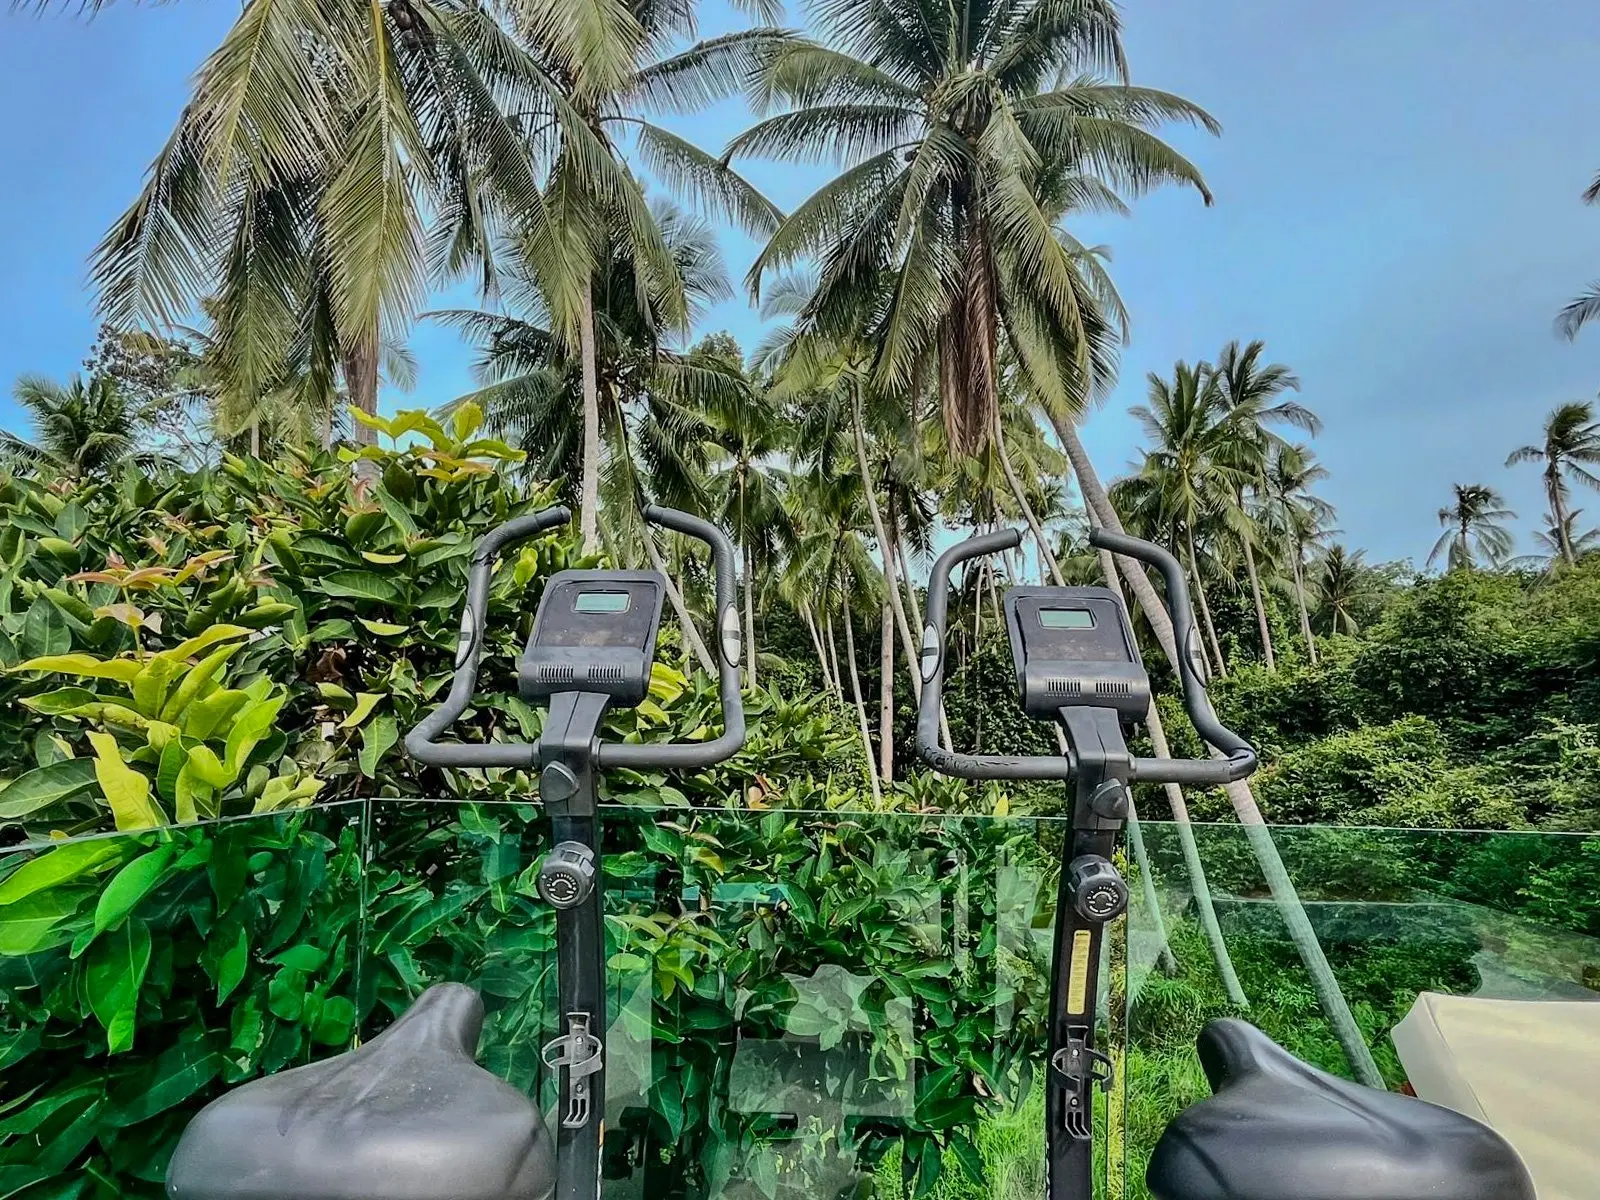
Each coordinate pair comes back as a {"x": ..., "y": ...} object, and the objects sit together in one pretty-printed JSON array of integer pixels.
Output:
[
  {"x": 1209, "y": 925},
  {"x": 833, "y": 655},
  {"x": 1261, "y": 609},
  {"x": 255, "y": 438},
  {"x": 1334, "y": 1006},
  {"x": 361, "y": 384},
  {"x": 1300, "y": 600},
  {"x": 675, "y": 597},
  {"x": 1046, "y": 555},
  {"x": 861, "y": 708},
  {"x": 886, "y": 696},
  {"x": 1558, "y": 514},
  {"x": 885, "y": 546},
  {"x": 816, "y": 644},
  {"x": 1205, "y": 605},
  {"x": 589, "y": 485}
]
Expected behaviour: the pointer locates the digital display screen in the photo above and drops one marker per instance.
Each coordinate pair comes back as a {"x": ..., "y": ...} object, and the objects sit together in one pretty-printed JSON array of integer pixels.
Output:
[
  {"x": 600, "y": 602},
  {"x": 1066, "y": 618}
]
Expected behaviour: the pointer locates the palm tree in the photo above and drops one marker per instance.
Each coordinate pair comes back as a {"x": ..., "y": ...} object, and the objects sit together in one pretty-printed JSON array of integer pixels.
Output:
[
  {"x": 1586, "y": 307},
  {"x": 1549, "y": 540},
  {"x": 292, "y": 197},
  {"x": 1187, "y": 478},
  {"x": 1300, "y": 518},
  {"x": 1474, "y": 528},
  {"x": 1345, "y": 588},
  {"x": 1254, "y": 395},
  {"x": 1571, "y": 445},
  {"x": 79, "y": 429},
  {"x": 959, "y": 158}
]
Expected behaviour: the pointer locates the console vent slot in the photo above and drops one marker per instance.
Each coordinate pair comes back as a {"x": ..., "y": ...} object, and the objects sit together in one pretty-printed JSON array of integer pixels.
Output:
[
  {"x": 1063, "y": 687},
  {"x": 555, "y": 674},
  {"x": 605, "y": 674},
  {"x": 1113, "y": 687}
]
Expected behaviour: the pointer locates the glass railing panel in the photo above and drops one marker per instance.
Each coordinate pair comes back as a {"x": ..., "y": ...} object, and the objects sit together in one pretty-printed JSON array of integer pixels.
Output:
[
  {"x": 801, "y": 1004},
  {"x": 1391, "y": 914},
  {"x": 143, "y": 974}
]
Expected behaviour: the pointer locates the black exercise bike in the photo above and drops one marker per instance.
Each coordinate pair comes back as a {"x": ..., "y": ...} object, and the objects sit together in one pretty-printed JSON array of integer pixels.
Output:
[{"x": 411, "y": 1116}]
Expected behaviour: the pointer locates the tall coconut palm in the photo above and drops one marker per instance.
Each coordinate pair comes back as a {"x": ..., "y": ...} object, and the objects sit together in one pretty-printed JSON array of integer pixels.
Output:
[
  {"x": 1586, "y": 307},
  {"x": 293, "y": 195},
  {"x": 1254, "y": 393},
  {"x": 1474, "y": 528},
  {"x": 1571, "y": 445},
  {"x": 1188, "y": 474},
  {"x": 963, "y": 134},
  {"x": 80, "y": 428},
  {"x": 1300, "y": 518},
  {"x": 1345, "y": 588}
]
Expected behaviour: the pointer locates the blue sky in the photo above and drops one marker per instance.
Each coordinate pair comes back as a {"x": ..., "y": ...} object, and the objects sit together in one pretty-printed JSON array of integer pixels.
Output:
[{"x": 1397, "y": 216}]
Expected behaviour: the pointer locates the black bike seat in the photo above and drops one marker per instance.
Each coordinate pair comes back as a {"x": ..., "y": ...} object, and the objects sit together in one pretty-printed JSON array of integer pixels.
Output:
[
  {"x": 1277, "y": 1129},
  {"x": 408, "y": 1116}
]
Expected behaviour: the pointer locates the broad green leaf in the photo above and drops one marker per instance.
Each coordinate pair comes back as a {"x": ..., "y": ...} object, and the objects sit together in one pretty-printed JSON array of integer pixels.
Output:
[
  {"x": 150, "y": 685},
  {"x": 74, "y": 608},
  {"x": 130, "y": 885},
  {"x": 376, "y": 739},
  {"x": 382, "y": 560},
  {"x": 232, "y": 963},
  {"x": 466, "y": 419},
  {"x": 335, "y": 1022},
  {"x": 365, "y": 703},
  {"x": 196, "y": 680},
  {"x": 268, "y": 612},
  {"x": 174, "y": 757},
  {"x": 58, "y": 866},
  {"x": 72, "y": 522},
  {"x": 205, "y": 766},
  {"x": 45, "y": 631},
  {"x": 254, "y": 722},
  {"x": 371, "y": 420},
  {"x": 126, "y": 791},
  {"x": 192, "y": 796},
  {"x": 204, "y": 640},
  {"x": 178, "y": 1074},
  {"x": 303, "y": 957},
  {"x": 62, "y": 700},
  {"x": 45, "y": 786},
  {"x": 284, "y": 792},
  {"x": 39, "y": 921},
  {"x": 60, "y": 548},
  {"x": 205, "y": 717},
  {"x": 332, "y": 691},
  {"x": 113, "y": 974},
  {"x": 123, "y": 670},
  {"x": 360, "y": 585}
]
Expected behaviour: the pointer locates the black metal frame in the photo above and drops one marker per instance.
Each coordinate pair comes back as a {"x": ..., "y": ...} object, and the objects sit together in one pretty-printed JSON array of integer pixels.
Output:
[
  {"x": 1101, "y": 768},
  {"x": 569, "y": 755}
]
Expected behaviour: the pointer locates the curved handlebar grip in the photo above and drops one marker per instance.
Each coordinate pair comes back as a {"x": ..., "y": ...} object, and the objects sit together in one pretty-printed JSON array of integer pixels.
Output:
[
  {"x": 729, "y": 645},
  {"x": 1241, "y": 756},
  {"x": 965, "y": 766},
  {"x": 420, "y": 743}
]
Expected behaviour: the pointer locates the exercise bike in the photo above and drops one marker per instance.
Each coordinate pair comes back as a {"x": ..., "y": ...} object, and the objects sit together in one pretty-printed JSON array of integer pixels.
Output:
[
  {"x": 410, "y": 1115},
  {"x": 1274, "y": 1127}
]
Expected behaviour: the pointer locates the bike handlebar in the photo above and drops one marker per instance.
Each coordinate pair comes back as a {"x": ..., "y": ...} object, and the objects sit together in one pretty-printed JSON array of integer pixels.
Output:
[
  {"x": 1240, "y": 758},
  {"x": 421, "y": 742}
]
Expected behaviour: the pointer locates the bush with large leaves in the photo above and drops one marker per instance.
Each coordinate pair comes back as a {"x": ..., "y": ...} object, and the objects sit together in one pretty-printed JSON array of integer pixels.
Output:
[{"x": 245, "y": 639}]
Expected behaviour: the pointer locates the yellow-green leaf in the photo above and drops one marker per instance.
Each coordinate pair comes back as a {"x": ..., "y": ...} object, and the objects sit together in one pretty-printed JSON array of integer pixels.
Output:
[
  {"x": 204, "y": 640},
  {"x": 371, "y": 420},
  {"x": 122, "y": 670},
  {"x": 384, "y": 560},
  {"x": 150, "y": 685},
  {"x": 284, "y": 792},
  {"x": 382, "y": 628},
  {"x": 464, "y": 422},
  {"x": 196, "y": 680},
  {"x": 126, "y": 791},
  {"x": 365, "y": 703}
]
